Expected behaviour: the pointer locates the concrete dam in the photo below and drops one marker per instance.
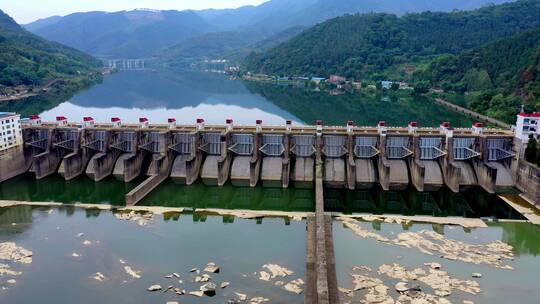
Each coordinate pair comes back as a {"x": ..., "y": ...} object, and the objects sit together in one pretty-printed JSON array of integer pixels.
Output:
[{"x": 273, "y": 156}]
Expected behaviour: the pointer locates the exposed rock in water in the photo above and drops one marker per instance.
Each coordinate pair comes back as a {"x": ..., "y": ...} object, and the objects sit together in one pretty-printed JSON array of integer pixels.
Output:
[
  {"x": 295, "y": 286},
  {"x": 99, "y": 277},
  {"x": 433, "y": 265},
  {"x": 75, "y": 255},
  {"x": 5, "y": 270},
  {"x": 80, "y": 234},
  {"x": 141, "y": 218},
  {"x": 197, "y": 293},
  {"x": 224, "y": 285},
  {"x": 168, "y": 288},
  {"x": 476, "y": 275},
  {"x": 438, "y": 280},
  {"x": 399, "y": 272},
  {"x": 258, "y": 300},
  {"x": 202, "y": 279},
  {"x": 172, "y": 302},
  {"x": 430, "y": 242},
  {"x": 87, "y": 243},
  {"x": 179, "y": 291},
  {"x": 212, "y": 268},
  {"x": 176, "y": 275},
  {"x": 241, "y": 296},
  {"x": 11, "y": 252},
  {"x": 193, "y": 269},
  {"x": 132, "y": 272},
  {"x": 209, "y": 289},
  {"x": 364, "y": 282},
  {"x": 402, "y": 287},
  {"x": 154, "y": 287},
  {"x": 264, "y": 276},
  {"x": 278, "y": 271},
  {"x": 11, "y": 281}
]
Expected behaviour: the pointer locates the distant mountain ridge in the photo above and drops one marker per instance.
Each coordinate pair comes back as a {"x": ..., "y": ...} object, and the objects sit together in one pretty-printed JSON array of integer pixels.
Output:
[
  {"x": 133, "y": 34},
  {"x": 142, "y": 33}
]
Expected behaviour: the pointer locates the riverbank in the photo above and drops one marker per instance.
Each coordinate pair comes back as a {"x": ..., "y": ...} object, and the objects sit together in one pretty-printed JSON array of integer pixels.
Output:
[{"x": 56, "y": 93}]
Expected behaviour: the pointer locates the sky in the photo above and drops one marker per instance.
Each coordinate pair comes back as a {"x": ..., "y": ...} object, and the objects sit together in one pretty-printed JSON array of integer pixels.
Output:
[{"x": 26, "y": 11}]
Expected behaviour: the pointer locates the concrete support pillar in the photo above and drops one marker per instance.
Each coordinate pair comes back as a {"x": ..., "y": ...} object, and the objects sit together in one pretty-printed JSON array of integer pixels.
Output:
[{"x": 350, "y": 163}]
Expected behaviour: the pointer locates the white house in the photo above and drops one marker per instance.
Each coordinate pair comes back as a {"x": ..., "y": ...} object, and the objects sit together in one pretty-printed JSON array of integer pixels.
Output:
[
  {"x": 527, "y": 124},
  {"x": 10, "y": 131}
]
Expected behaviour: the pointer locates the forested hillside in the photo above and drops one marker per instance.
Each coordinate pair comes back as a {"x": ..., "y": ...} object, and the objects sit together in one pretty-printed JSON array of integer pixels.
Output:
[
  {"x": 360, "y": 46},
  {"x": 26, "y": 59},
  {"x": 498, "y": 76}
]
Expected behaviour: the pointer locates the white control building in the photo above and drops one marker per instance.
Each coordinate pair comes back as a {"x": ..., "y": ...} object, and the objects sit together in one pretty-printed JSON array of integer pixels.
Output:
[
  {"x": 10, "y": 131},
  {"x": 527, "y": 124}
]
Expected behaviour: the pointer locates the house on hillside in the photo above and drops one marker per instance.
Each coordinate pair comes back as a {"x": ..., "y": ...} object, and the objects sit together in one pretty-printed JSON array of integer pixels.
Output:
[
  {"x": 387, "y": 85},
  {"x": 337, "y": 80},
  {"x": 318, "y": 80}
]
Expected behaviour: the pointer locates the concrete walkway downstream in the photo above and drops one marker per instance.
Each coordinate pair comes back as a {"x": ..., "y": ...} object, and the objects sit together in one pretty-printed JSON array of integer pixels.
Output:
[{"x": 321, "y": 278}]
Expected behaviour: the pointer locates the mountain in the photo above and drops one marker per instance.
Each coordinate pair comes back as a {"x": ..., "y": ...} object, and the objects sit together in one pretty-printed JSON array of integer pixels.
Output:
[
  {"x": 26, "y": 59},
  {"x": 498, "y": 76},
  {"x": 126, "y": 34},
  {"x": 360, "y": 46},
  {"x": 41, "y": 23},
  {"x": 277, "y": 15},
  {"x": 232, "y": 45},
  {"x": 143, "y": 33}
]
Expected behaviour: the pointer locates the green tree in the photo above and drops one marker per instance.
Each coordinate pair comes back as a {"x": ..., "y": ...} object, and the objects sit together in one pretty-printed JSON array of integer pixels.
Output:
[
  {"x": 378, "y": 85},
  {"x": 531, "y": 151},
  {"x": 395, "y": 86},
  {"x": 421, "y": 87},
  {"x": 538, "y": 157}
]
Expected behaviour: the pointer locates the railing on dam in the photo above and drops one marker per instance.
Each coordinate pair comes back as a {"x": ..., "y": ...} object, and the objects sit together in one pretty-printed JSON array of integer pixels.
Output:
[
  {"x": 365, "y": 147},
  {"x": 431, "y": 148},
  {"x": 183, "y": 143},
  {"x": 242, "y": 144},
  {"x": 272, "y": 145},
  {"x": 303, "y": 145},
  {"x": 96, "y": 140},
  {"x": 397, "y": 147},
  {"x": 464, "y": 148},
  {"x": 334, "y": 146},
  {"x": 211, "y": 143},
  {"x": 125, "y": 141},
  {"x": 499, "y": 149}
]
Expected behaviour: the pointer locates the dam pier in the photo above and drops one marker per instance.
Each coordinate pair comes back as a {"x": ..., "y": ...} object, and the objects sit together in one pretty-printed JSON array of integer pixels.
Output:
[{"x": 352, "y": 157}]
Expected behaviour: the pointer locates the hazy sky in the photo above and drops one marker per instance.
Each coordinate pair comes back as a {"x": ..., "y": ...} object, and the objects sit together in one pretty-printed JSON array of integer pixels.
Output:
[{"x": 25, "y": 11}]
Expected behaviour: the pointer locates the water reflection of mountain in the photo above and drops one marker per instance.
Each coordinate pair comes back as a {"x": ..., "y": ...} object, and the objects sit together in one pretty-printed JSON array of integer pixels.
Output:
[
  {"x": 363, "y": 109},
  {"x": 522, "y": 236},
  {"x": 147, "y": 90}
]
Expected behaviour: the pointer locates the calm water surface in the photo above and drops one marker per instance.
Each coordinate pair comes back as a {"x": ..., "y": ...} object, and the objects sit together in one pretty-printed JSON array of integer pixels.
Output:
[
  {"x": 166, "y": 245},
  {"x": 159, "y": 95},
  {"x": 498, "y": 285}
]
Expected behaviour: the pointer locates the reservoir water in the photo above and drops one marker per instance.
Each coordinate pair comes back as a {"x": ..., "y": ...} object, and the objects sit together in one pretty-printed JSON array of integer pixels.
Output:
[{"x": 188, "y": 95}]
